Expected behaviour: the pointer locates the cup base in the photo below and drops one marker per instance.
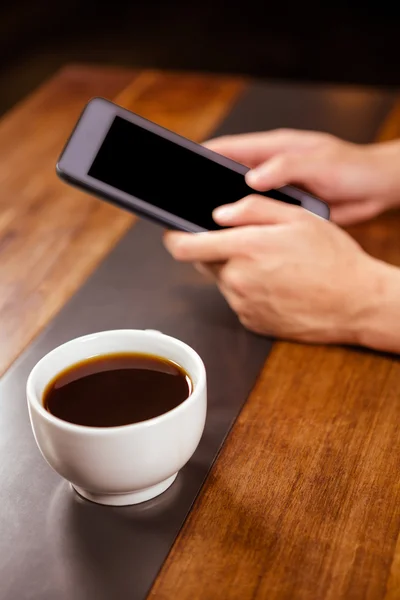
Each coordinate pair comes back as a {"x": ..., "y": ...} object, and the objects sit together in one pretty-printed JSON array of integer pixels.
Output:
[{"x": 129, "y": 498}]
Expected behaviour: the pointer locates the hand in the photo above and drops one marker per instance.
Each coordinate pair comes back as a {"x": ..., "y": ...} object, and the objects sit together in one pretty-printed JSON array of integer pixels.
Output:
[
  {"x": 358, "y": 182},
  {"x": 284, "y": 271}
]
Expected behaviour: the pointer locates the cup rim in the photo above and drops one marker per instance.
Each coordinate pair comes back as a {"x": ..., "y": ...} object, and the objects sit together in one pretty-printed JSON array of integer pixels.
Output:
[{"x": 36, "y": 403}]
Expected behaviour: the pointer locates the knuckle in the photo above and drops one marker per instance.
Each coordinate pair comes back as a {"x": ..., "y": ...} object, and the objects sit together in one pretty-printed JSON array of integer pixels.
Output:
[
  {"x": 246, "y": 321},
  {"x": 253, "y": 323},
  {"x": 252, "y": 202},
  {"x": 283, "y": 163},
  {"x": 325, "y": 183},
  {"x": 246, "y": 313},
  {"x": 234, "y": 279},
  {"x": 235, "y": 302}
]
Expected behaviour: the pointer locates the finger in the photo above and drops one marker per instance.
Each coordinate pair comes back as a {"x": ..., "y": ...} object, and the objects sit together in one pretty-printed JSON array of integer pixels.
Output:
[
  {"x": 354, "y": 212},
  {"x": 214, "y": 246},
  {"x": 258, "y": 210},
  {"x": 253, "y": 148},
  {"x": 283, "y": 169}
]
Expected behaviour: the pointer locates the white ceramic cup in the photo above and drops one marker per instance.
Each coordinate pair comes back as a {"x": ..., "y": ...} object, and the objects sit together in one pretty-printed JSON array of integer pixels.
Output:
[{"x": 127, "y": 464}]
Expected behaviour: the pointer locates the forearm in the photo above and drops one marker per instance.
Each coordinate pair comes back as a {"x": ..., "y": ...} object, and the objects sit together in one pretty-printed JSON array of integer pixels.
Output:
[{"x": 378, "y": 325}]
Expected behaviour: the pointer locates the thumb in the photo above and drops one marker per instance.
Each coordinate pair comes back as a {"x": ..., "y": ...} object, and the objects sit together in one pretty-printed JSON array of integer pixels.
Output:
[
  {"x": 257, "y": 210},
  {"x": 299, "y": 169}
]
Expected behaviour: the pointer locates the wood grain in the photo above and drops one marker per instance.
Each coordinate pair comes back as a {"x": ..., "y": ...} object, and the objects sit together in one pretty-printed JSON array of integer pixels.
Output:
[
  {"x": 51, "y": 236},
  {"x": 304, "y": 499}
]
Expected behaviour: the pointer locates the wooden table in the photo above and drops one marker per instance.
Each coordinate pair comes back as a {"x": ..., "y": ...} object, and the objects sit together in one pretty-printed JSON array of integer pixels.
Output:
[{"x": 303, "y": 501}]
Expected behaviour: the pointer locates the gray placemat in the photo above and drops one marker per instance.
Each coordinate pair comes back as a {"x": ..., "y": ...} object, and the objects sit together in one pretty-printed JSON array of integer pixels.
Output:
[{"x": 56, "y": 546}]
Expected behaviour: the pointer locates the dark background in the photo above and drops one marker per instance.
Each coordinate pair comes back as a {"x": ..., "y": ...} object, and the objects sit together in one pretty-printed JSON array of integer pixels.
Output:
[{"x": 333, "y": 42}]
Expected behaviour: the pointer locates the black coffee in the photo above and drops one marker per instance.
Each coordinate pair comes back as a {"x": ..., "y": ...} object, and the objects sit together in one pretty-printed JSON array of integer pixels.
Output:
[{"x": 117, "y": 389}]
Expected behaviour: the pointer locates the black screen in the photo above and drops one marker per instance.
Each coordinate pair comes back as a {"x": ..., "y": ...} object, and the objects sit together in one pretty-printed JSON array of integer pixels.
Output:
[{"x": 167, "y": 175}]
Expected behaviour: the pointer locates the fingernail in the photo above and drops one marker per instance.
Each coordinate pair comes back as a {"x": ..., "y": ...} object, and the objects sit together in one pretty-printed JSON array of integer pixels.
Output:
[{"x": 224, "y": 212}]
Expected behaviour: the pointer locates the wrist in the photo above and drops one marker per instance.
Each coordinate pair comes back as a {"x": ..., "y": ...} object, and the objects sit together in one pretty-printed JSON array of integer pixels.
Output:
[{"x": 377, "y": 320}]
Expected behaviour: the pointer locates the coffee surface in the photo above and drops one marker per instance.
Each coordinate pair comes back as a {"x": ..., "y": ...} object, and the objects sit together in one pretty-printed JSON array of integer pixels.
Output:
[{"x": 117, "y": 389}]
